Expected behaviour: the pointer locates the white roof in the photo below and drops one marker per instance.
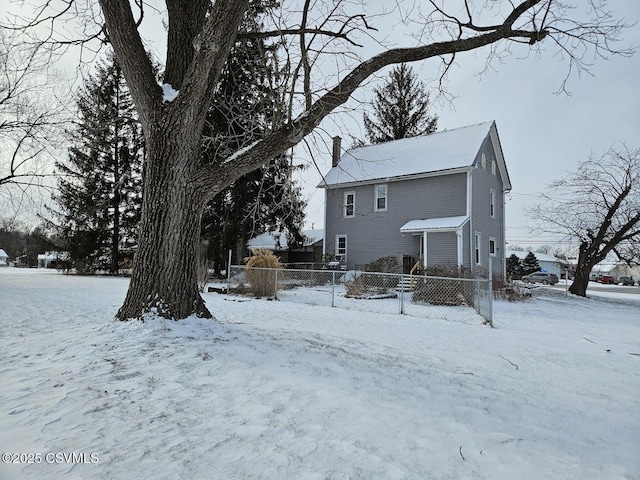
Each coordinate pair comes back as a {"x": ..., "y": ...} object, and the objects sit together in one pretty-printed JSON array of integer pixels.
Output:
[
  {"x": 440, "y": 151},
  {"x": 268, "y": 240},
  {"x": 3, "y": 254},
  {"x": 444, "y": 223}
]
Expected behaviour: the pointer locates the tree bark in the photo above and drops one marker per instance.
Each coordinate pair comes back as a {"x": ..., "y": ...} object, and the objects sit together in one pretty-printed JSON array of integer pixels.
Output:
[
  {"x": 580, "y": 282},
  {"x": 164, "y": 279},
  {"x": 586, "y": 262}
]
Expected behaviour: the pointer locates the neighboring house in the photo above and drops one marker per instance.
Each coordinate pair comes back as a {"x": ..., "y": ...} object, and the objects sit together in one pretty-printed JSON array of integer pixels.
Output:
[
  {"x": 52, "y": 259},
  {"x": 438, "y": 198},
  {"x": 621, "y": 269},
  {"x": 4, "y": 258},
  {"x": 548, "y": 263},
  {"x": 309, "y": 252}
]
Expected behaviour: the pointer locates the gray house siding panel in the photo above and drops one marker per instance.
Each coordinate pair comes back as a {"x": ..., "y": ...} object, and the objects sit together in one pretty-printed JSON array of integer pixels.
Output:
[
  {"x": 442, "y": 249},
  {"x": 371, "y": 234},
  {"x": 483, "y": 182}
]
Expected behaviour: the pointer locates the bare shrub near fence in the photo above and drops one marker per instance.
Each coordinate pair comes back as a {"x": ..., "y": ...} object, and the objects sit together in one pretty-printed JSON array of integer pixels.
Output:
[
  {"x": 442, "y": 291},
  {"x": 355, "y": 288},
  {"x": 388, "y": 264},
  {"x": 441, "y": 286},
  {"x": 261, "y": 272}
]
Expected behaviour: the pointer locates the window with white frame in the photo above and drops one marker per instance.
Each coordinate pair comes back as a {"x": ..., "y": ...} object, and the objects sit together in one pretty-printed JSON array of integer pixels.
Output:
[
  {"x": 493, "y": 167},
  {"x": 477, "y": 249},
  {"x": 492, "y": 203},
  {"x": 349, "y": 204},
  {"x": 341, "y": 247},
  {"x": 483, "y": 161},
  {"x": 380, "y": 198},
  {"x": 492, "y": 247}
]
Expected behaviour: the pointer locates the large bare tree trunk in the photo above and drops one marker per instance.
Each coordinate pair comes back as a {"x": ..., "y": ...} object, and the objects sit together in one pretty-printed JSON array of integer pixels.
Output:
[
  {"x": 164, "y": 279},
  {"x": 580, "y": 282}
]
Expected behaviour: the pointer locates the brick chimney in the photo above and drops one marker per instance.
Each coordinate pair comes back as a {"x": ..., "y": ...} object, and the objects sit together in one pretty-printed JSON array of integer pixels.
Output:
[{"x": 336, "y": 151}]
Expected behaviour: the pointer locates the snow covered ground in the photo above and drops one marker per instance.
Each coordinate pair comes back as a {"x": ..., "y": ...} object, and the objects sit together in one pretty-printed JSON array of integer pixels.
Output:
[{"x": 280, "y": 390}]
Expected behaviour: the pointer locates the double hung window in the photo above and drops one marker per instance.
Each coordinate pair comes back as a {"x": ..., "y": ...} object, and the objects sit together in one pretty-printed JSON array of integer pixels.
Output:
[{"x": 380, "y": 198}]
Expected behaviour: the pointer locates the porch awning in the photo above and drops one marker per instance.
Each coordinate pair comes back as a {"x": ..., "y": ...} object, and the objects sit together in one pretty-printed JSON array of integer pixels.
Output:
[{"x": 442, "y": 224}]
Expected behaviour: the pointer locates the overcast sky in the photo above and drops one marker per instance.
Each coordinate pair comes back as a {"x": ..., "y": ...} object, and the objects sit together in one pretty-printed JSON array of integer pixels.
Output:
[{"x": 543, "y": 134}]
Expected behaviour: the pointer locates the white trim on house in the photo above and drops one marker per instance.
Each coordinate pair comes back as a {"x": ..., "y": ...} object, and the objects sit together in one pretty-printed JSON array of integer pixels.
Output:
[
  {"x": 495, "y": 247},
  {"x": 341, "y": 256},
  {"x": 376, "y": 197},
  {"x": 502, "y": 166},
  {"x": 387, "y": 179},
  {"x": 346, "y": 204},
  {"x": 492, "y": 203}
]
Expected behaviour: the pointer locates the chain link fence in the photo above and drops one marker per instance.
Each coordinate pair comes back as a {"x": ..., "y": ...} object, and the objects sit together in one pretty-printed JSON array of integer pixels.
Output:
[{"x": 466, "y": 300}]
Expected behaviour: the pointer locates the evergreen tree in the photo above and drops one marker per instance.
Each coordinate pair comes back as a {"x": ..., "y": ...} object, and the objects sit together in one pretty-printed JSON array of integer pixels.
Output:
[
  {"x": 530, "y": 264},
  {"x": 514, "y": 267},
  {"x": 100, "y": 185},
  {"x": 401, "y": 108},
  {"x": 248, "y": 104}
]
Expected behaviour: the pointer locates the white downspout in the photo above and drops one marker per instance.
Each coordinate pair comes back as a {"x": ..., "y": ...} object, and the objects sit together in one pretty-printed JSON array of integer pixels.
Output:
[
  {"x": 469, "y": 214},
  {"x": 424, "y": 248}
]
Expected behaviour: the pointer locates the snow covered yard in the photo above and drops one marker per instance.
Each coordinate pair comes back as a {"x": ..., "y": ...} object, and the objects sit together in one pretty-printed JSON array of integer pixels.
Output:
[{"x": 283, "y": 390}]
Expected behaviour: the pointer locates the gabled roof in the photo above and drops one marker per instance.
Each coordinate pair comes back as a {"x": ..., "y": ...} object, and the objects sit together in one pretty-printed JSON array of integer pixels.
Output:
[{"x": 428, "y": 154}]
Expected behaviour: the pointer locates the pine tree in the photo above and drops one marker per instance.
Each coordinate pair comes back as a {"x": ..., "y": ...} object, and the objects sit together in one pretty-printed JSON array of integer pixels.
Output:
[
  {"x": 248, "y": 104},
  {"x": 100, "y": 185},
  {"x": 401, "y": 108},
  {"x": 530, "y": 264},
  {"x": 514, "y": 267}
]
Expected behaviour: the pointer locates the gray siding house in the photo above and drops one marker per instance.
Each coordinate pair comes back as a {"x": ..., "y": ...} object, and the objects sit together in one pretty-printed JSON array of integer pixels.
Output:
[{"x": 437, "y": 198}]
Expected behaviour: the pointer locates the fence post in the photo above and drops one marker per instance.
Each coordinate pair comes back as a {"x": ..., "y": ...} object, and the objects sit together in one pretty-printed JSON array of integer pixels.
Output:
[
  {"x": 490, "y": 292},
  {"x": 402, "y": 293},
  {"x": 275, "y": 286},
  {"x": 333, "y": 288},
  {"x": 229, "y": 273}
]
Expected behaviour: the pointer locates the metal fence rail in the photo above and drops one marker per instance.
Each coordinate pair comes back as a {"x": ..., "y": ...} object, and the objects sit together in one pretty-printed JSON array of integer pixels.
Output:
[{"x": 466, "y": 300}]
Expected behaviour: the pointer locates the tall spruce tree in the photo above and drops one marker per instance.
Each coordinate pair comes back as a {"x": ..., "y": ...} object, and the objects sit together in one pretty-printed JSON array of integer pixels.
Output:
[
  {"x": 248, "y": 105},
  {"x": 400, "y": 108},
  {"x": 100, "y": 185},
  {"x": 530, "y": 264}
]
